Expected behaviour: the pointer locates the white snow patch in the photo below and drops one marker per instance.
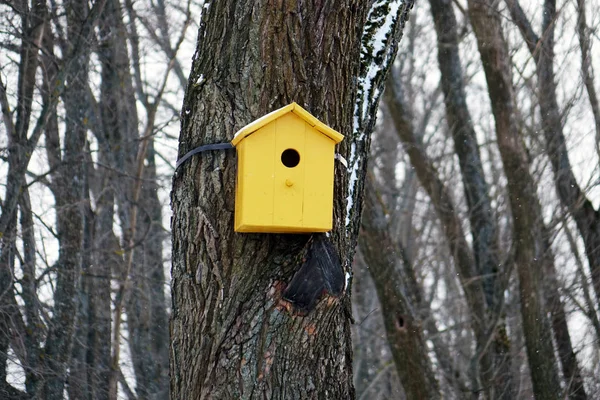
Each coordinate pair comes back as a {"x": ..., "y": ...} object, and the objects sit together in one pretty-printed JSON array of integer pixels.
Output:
[
  {"x": 353, "y": 177},
  {"x": 377, "y": 44},
  {"x": 351, "y": 184},
  {"x": 384, "y": 30},
  {"x": 341, "y": 159},
  {"x": 347, "y": 280}
]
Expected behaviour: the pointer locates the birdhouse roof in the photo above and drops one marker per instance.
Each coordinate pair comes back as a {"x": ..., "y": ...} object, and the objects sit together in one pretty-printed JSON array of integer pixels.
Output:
[{"x": 272, "y": 116}]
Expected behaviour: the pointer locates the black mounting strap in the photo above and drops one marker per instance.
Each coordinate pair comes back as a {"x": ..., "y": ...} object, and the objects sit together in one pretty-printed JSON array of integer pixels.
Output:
[
  {"x": 200, "y": 149},
  {"x": 226, "y": 146}
]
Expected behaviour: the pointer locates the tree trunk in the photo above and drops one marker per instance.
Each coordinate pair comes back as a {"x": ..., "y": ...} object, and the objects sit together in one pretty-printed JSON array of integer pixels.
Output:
[
  {"x": 68, "y": 193},
  {"x": 558, "y": 318},
  {"x": 230, "y": 337},
  {"x": 525, "y": 207},
  {"x": 32, "y": 29},
  {"x": 131, "y": 187},
  {"x": 585, "y": 34},
  {"x": 401, "y": 318},
  {"x": 148, "y": 322},
  {"x": 497, "y": 382},
  {"x": 55, "y": 316},
  {"x": 570, "y": 194},
  {"x": 446, "y": 211}
]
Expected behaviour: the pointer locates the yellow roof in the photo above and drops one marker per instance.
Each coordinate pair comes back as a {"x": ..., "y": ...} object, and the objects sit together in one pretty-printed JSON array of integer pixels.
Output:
[{"x": 272, "y": 116}]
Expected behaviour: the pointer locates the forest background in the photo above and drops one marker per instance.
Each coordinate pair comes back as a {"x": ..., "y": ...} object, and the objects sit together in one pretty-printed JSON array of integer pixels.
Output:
[{"x": 91, "y": 97}]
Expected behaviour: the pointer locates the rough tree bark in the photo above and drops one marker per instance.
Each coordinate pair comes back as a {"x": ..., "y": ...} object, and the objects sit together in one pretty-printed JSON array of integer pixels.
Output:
[
  {"x": 524, "y": 203},
  {"x": 229, "y": 337}
]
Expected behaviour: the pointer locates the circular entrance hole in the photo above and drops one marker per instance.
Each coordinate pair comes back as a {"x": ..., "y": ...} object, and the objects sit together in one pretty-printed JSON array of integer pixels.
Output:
[{"x": 290, "y": 158}]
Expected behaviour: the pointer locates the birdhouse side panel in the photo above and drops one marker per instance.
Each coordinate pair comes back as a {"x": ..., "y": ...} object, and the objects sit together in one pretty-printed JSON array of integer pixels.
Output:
[
  {"x": 290, "y": 165},
  {"x": 254, "y": 194},
  {"x": 318, "y": 177}
]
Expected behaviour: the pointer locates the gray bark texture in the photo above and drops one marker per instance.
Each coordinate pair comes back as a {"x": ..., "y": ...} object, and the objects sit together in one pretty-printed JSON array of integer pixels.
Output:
[
  {"x": 67, "y": 182},
  {"x": 230, "y": 336}
]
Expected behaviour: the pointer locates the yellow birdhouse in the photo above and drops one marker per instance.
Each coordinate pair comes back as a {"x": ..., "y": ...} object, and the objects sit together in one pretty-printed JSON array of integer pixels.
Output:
[{"x": 285, "y": 173}]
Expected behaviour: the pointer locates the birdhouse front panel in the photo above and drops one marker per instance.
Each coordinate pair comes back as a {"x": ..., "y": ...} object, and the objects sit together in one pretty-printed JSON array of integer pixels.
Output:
[
  {"x": 285, "y": 174},
  {"x": 288, "y": 182},
  {"x": 251, "y": 188}
]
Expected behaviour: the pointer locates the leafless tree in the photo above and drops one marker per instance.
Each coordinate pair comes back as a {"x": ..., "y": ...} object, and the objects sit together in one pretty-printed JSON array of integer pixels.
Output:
[
  {"x": 499, "y": 238},
  {"x": 476, "y": 272},
  {"x": 71, "y": 274}
]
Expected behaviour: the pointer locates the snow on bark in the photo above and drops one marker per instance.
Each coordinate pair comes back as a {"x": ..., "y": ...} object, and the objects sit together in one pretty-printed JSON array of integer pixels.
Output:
[{"x": 380, "y": 37}]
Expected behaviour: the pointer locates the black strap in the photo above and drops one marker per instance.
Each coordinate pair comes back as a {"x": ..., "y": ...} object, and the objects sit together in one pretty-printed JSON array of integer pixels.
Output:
[{"x": 199, "y": 149}]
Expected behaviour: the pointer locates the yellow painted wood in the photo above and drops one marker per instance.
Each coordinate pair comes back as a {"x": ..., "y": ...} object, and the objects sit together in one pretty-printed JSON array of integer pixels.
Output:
[
  {"x": 308, "y": 117},
  {"x": 256, "y": 162},
  {"x": 319, "y": 193},
  {"x": 287, "y": 205},
  {"x": 272, "y": 197},
  {"x": 259, "y": 123}
]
